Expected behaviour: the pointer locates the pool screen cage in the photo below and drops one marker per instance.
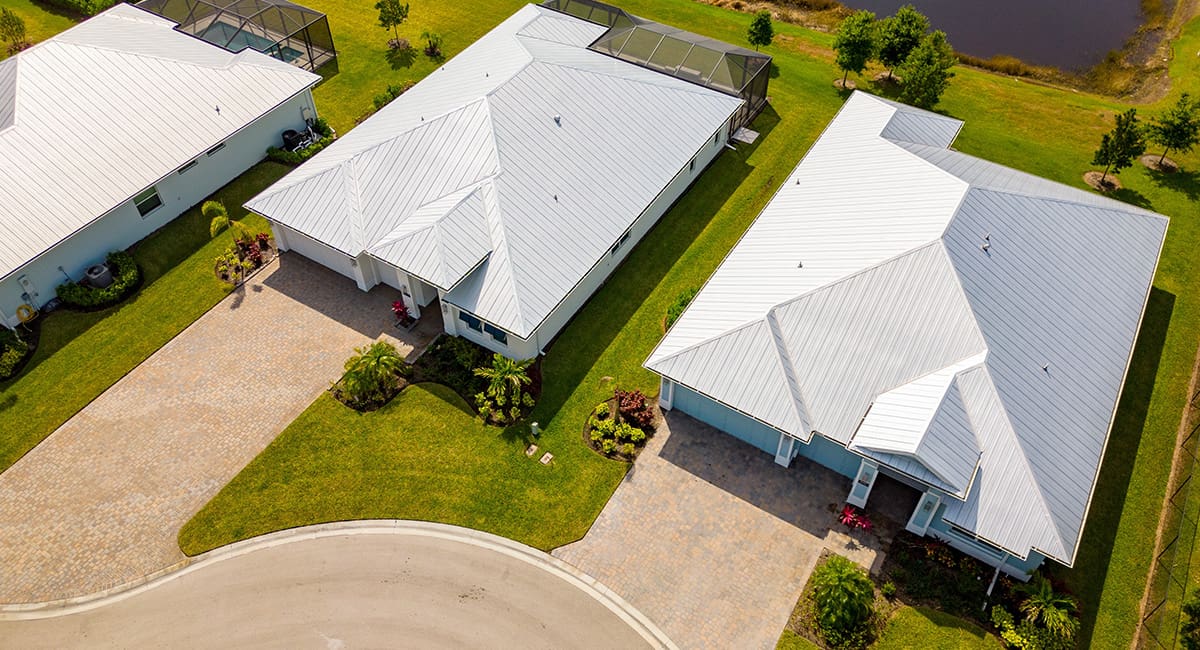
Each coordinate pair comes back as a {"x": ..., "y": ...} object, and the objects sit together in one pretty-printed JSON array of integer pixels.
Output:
[
  {"x": 698, "y": 59},
  {"x": 284, "y": 30}
]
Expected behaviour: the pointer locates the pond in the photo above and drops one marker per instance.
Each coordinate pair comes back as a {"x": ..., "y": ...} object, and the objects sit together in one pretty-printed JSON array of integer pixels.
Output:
[{"x": 1068, "y": 34}]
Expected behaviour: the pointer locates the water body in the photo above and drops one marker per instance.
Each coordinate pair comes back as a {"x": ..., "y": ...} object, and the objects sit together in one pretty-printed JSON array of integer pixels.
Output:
[{"x": 1067, "y": 34}]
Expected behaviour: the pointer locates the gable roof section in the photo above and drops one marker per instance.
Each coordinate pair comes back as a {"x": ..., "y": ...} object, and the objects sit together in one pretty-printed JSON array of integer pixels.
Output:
[
  {"x": 560, "y": 192},
  {"x": 92, "y": 116},
  {"x": 964, "y": 323}
]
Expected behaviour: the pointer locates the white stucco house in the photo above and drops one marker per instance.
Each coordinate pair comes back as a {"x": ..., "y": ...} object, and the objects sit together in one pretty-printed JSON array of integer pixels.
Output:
[
  {"x": 505, "y": 187},
  {"x": 113, "y": 128},
  {"x": 903, "y": 310}
]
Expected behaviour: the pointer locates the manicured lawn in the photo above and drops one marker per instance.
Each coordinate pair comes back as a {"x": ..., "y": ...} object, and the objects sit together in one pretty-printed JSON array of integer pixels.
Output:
[
  {"x": 41, "y": 21},
  {"x": 81, "y": 355},
  {"x": 917, "y": 628},
  {"x": 792, "y": 641}
]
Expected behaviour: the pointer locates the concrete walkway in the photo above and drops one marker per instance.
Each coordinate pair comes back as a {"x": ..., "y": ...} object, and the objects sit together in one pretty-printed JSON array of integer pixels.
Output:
[
  {"x": 712, "y": 540},
  {"x": 364, "y": 584},
  {"x": 99, "y": 502}
]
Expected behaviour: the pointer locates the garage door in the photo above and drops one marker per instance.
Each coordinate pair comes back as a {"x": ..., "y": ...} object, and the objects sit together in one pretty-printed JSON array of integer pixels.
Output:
[
  {"x": 316, "y": 251},
  {"x": 735, "y": 424}
]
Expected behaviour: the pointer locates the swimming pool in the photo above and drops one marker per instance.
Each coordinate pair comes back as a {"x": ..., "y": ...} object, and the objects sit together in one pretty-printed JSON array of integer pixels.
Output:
[{"x": 235, "y": 40}]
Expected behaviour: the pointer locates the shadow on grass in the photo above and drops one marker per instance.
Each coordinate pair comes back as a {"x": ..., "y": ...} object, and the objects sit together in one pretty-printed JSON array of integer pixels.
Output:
[
  {"x": 594, "y": 327},
  {"x": 1087, "y": 578},
  {"x": 1184, "y": 182},
  {"x": 7, "y": 402},
  {"x": 56, "y": 10},
  {"x": 329, "y": 70},
  {"x": 401, "y": 58},
  {"x": 1132, "y": 197}
]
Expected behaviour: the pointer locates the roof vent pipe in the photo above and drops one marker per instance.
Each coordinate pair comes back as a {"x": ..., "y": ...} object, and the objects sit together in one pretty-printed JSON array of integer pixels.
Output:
[
  {"x": 985, "y": 246},
  {"x": 558, "y": 120}
]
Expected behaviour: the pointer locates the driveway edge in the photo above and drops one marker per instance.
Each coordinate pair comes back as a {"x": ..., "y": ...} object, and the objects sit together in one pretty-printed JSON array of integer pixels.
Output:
[{"x": 641, "y": 624}]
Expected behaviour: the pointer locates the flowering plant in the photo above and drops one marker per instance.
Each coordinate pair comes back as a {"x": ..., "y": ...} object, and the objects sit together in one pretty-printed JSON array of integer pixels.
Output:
[
  {"x": 852, "y": 518},
  {"x": 400, "y": 311}
]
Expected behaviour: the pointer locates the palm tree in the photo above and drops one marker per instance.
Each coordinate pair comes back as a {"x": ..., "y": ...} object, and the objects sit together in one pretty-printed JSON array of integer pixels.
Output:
[
  {"x": 218, "y": 220},
  {"x": 372, "y": 371},
  {"x": 505, "y": 379},
  {"x": 1050, "y": 609}
]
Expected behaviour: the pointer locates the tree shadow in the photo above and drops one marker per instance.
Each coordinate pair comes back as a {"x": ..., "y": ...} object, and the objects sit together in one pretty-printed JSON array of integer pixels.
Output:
[
  {"x": 7, "y": 402},
  {"x": 1184, "y": 182},
  {"x": 401, "y": 58},
  {"x": 1092, "y": 563},
  {"x": 1132, "y": 197},
  {"x": 775, "y": 72},
  {"x": 571, "y": 355}
]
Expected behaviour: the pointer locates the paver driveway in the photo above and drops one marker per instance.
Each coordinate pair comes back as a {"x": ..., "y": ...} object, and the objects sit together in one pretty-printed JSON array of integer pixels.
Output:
[
  {"x": 99, "y": 502},
  {"x": 712, "y": 540}
]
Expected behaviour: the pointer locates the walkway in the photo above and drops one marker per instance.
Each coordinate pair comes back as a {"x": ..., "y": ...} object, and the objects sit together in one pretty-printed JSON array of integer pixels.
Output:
[
  {"x": 99, "y": 502},
  {"x": 711, "y": 539}
]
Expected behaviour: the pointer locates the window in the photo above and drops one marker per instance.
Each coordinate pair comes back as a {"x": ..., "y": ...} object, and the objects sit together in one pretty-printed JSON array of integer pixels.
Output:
[
  {"x": 717, "y": 139},
  {"x": 185, "y": 168},
  {"x": 620, "y": 242},
  {"x": 147, "y": 201},
  {"x": 471, "y": 321},
  {"x": 215, "y": 149},
  {"x": 500, "y": 335}
]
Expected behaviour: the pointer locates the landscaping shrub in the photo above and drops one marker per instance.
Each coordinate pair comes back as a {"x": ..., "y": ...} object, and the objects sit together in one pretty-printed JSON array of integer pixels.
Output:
[
  {"x": 602, "y": 410},
  {"x": 451, "y": 361},
  {"x": 393, "y": 91},
  {"x": 928, "y": 572},
  {"x": 1189, "y": 626},
  {"x": 12, "y": 353},
  {"x": 634, "y": 408},
  {"x": 325, "y": 138},
  {"x": 681, "y": 302},
  {"x": 610, "y": 431},
  {"x": 374, "y": 375},
  {"x": 844, "y": 597},
  {"x": 505, "y": 399},
  {"x": 126, "y": 278}
]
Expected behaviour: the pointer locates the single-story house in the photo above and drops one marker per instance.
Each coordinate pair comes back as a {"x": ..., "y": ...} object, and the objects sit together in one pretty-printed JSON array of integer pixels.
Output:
[
  {"x": 113, "y": 128},
  {"x": 508, "y": 184},
  {"x": 901, "y": 309}
]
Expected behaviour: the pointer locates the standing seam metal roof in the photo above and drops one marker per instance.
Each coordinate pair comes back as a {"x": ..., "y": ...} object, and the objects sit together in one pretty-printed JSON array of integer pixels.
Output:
[
  {"x": 964, "y": 323},
  {"x": 570, "y": 147},
  {"x": 92, "y": 116}
]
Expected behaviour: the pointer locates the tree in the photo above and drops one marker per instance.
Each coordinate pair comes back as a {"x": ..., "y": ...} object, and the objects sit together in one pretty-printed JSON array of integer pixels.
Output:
[
  {"x": 1049, "y": 609},
  {"x": 1189, "y": 627},
  {"x": 218, "y": 220},
  {"x": 433, "y": 43},
  {"x": 506, "y": 378},
  {"x": 927, "y": 71},
  {"x": 12, "y": 29},
  {"x": 855, "y": 43},
  {"x": 762, "y": 32},
  {"x": 392, "y": 14},
  {"x": 1119, "y": 147},
  {"x": 899, "y": 35},
  {"x": 371, "y": 374},
  {"x": 1177, "y": 129},
  {"x": 844, "y": 598}
]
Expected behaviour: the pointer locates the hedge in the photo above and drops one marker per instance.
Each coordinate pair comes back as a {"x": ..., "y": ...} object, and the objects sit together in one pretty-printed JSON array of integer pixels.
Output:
[
  {"x": 12, "y": 352},
  {"x": 82, "y": 7},
  {"x": 321, "y": 127},
  {"x": 126, "y": 278}
]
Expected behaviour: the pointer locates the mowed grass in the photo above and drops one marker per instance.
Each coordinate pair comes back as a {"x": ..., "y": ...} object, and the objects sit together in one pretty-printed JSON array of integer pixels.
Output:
[
  {"x": 41, "y": 21},
  {"x": 82, "y": 354},
  {"x": 918, "y": 628}
]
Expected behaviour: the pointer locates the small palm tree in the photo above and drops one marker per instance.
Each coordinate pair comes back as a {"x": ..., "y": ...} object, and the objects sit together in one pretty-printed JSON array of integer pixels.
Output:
[
  {"x": 1048, "y": 608},
  {"x": 218, "y": 220},
  {"x": 371, "y": 373},
  {"x": 506, "y": 377}
]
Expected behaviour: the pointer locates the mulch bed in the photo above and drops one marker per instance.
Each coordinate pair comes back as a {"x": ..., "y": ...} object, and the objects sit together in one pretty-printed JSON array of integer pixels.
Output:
[
  {"x": 1167, "y": 166},
  {"x": 1111, "y": 184}
]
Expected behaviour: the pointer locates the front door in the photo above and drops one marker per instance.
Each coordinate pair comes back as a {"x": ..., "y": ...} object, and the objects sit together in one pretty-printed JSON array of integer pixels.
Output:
[{"x": 860, "y": 490}]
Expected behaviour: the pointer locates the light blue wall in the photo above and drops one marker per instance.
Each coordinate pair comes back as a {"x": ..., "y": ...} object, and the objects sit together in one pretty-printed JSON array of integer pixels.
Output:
[
  {"x": 123, "y": 226},
  {"x": 839, "y": 459}
]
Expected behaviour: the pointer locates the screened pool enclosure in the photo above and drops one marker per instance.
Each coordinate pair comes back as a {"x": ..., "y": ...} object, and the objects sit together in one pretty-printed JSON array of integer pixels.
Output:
[
  {"x": 284, "y": 30},
  {"x": 698, "y": 59}
]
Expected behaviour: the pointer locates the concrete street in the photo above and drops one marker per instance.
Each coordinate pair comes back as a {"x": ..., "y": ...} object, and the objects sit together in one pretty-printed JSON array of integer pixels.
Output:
[{"x": 351, "y": 591}]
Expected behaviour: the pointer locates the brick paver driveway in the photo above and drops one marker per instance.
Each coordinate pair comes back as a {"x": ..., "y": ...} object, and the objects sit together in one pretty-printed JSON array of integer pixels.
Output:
[
  {"x": 99, "y": 503},
  {"x": 711, "y": 539}
]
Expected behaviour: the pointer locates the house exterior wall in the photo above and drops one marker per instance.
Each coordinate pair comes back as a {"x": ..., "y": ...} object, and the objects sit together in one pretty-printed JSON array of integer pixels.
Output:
[
  {"x": 842, "y": 461},
  {"x": 290, "y": 240},
  {"x": 122, "y": 226}
]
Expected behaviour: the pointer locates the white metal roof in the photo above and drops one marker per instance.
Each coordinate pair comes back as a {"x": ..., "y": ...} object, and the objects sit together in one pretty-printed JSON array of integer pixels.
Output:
[
  {"x": 962, "y": 322},
  {"x": 94, "y": 115},
  {"x": 555, "y": 194}
]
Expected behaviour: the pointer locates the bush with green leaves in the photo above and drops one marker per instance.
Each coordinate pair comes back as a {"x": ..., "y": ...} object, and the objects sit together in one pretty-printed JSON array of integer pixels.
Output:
[
  {"x": 602, "y": 410},
  {"x": 325, "y": 137},
  {"x": 126, "y": 278},
  {"x": 12, "y": 30},
  {"x": 82, "y": 7},
  {"x": 926, "y": 71},
  {"x": 1189, "y": 624},
  {"x": 393, "y": 91},
  {"x": 675, "y": 310},
  {"x": 1048, "y": 622},
  {"x": 844, "y": 599},
  {"x": 373, "y": 376},
  {"x": 13, "y": 351},
  {"x": 505, "y": 399}
]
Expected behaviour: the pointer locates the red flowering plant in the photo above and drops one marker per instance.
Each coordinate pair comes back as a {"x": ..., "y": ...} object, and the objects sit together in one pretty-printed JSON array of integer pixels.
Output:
[
  {"x": 853, "y": 518},
  {"x": 401, "y": 312}
]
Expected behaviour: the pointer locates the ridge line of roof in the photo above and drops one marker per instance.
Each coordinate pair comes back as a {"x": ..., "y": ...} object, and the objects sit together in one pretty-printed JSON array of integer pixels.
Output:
[
  {"x": 683, "y": 87},
  {"x": 787, "y": 366}
]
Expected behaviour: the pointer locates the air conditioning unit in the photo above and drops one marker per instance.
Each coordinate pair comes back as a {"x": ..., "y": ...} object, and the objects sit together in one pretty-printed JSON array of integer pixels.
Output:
[{"x": 99, "y": 276}]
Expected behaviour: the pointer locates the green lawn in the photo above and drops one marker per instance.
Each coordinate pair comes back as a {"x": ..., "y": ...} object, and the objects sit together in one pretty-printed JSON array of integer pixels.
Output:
[
  {"x": 41, "y": 21},
  {"x": 1043, "y": 130},
  {"x": 789, "y": 640},
  {"x": 81, "y": 355},
  {"x": 918, "y": 628}
]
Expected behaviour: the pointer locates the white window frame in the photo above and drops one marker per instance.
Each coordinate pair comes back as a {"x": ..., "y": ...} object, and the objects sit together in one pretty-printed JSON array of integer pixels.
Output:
[{"x": 147, "y": 196}]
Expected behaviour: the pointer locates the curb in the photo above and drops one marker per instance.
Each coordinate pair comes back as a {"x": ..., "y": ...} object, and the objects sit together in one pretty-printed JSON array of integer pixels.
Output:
[{"x": 641, "y": 624}]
